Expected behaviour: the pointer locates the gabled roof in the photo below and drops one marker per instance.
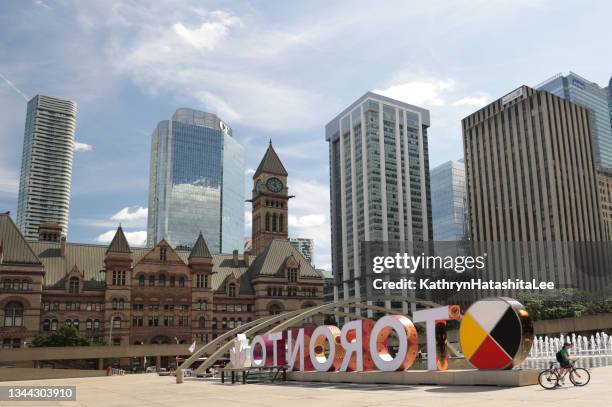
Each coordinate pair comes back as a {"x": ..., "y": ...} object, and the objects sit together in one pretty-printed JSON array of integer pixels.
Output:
[
  {"x": 270, "y": 164},
  {"x": 200, "y": 249},
  {"x": 15, "y": 249},
  {"x": 119, "y": 243},
  {"x": 271, "y": 263}
]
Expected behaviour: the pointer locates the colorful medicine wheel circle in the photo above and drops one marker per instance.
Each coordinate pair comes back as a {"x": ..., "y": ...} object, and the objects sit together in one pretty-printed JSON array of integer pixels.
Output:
[{"x": 496, "y": 333}]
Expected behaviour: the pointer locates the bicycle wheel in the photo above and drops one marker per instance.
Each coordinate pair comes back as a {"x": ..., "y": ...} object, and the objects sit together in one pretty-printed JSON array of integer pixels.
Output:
[
  {"x": 579, "y": 376},
  {"x": 548, "y": 379}
]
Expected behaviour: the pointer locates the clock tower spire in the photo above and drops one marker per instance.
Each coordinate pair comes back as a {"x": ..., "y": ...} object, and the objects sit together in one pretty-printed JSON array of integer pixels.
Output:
[{"x": 270, "y": 201}]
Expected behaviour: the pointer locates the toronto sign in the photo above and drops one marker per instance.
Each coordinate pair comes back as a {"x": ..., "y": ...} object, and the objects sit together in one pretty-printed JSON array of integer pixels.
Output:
[{"x": 495, "y": 333}]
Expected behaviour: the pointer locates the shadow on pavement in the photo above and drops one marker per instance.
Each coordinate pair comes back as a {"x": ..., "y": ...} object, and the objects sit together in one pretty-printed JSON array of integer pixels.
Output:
[{"x": 465, "y": 389}]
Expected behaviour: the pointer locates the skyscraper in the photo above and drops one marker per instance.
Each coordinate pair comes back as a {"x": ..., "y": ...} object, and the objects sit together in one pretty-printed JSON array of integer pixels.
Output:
[
  {"x": 304, "y": 246},
  {"x": 46, "y": 164},
  {"x": 196, "y": 183},
  {"x": 529, "y": 170},
  {"x": 379, "y": 171},
  {"x": 609, "y": 88},
  {"x": 595, "y": 98},
  {"x": 448, "y": 201}
]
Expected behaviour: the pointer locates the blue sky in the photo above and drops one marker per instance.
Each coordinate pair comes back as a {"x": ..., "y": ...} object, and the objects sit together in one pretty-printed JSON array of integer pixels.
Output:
[{"x": 272, "y": 69}]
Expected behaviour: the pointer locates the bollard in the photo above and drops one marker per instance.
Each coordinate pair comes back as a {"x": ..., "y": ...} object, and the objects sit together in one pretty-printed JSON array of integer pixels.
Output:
[{"x": 179, "y": 375}]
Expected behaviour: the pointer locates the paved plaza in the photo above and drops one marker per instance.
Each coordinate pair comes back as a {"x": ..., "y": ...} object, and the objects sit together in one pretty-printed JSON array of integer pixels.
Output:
[{"x": 152, "y": 390}]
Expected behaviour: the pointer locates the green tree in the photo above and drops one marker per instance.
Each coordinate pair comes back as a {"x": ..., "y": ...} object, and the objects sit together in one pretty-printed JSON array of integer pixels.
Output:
[{"x": 64, "y": 336}]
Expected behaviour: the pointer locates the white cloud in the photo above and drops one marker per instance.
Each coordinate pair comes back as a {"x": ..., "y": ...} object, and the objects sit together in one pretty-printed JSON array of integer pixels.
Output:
[
  {"x": 9, "y": 181},
  {"x": 210, "y": 33},
  {"x": 473, "y": 101},
  {"x": 424, "y": 93},
  {"x": 137, "y": 238},
  {"x": 309, "y": 216},
  {"x": 219, "y": 59},
  {"x": 133, "y": 213},
  {"x": 249, "y": 171},
  {"x": 82, "y": 146},
  {"x": 130, "y": 216},
  {"x": 307, "y": 221}
]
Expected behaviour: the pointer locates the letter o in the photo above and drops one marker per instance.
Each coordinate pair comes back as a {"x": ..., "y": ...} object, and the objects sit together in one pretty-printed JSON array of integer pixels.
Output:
[
  {"x": 321, "y": 334},
  {"x": 407, "y": 338},
  {"x": 258, "y": 358}
]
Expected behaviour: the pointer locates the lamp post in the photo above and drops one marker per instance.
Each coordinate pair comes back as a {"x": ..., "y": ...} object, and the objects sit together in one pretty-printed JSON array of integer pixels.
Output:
[
  {"x": 176, "y": 358},
  {"x": 110, "y": 333}
]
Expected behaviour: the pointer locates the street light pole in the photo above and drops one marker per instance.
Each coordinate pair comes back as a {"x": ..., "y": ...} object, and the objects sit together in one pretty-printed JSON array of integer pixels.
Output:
[{"x": 110, "y": 333}]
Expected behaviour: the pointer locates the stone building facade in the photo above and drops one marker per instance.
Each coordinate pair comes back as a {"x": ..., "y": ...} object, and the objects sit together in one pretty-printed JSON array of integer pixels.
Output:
[{"x": 121, "y": 295}]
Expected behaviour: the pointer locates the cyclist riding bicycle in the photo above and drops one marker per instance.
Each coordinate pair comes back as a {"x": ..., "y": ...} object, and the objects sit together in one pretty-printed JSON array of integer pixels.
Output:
[{"x": 564, "y": 361}]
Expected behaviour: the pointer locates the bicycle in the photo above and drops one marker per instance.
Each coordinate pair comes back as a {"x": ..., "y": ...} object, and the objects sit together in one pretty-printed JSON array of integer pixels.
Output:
[{"x": 549, "y": 378}]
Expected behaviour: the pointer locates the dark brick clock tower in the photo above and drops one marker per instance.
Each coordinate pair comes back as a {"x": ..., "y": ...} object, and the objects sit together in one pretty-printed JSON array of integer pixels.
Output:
[{"x": 270, "y": 201}]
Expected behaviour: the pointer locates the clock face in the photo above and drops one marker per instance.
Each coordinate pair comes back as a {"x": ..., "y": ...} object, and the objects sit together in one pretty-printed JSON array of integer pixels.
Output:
[
  {"x": 274, "y": 184},
  {"x": 258, "y": 186}
]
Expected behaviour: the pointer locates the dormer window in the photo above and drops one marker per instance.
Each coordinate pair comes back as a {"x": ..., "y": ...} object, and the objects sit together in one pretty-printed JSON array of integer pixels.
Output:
[
  {"x": 231, "y": 290},
  {"x": 292, "y": 275},
  {"x": 74, "y": 285}
]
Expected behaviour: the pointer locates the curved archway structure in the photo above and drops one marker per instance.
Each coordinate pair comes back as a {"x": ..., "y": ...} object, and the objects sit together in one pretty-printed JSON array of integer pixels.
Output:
[{"x": 217, "y": 348}]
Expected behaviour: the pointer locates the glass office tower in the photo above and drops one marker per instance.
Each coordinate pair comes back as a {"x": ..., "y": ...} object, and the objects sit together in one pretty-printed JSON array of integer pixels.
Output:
[
  {"x": 46, "y": 164},
  {"x": 196, "y": 183},
  {"x": 610, "y": 100},
  {"x": 379, "y": 179},
  {"x": 448, "y": 201},
  {"x": 588, "y": 94}
]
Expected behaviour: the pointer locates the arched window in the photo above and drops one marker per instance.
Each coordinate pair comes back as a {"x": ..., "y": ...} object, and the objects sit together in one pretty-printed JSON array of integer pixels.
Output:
[
  {"x": 121, "y": 303},
  {"x": 239, "y": 322},
  {"x": 46, "y": 325},
  {"x": 231, "y": 291},
  {"x": 75, "y": 323},
  {"x": 13, "y": 314},
  {"x": 281, "y": 220},
  {"x": 274, "y": 222},
  {"x": 141, "y": 281},
  {"x": 214, "y": 324},
  {"x": 224, "y": 323},
  {"x": 68, "y": 322},
  {"x": 96, "y": 324},
  {"x": 151, "y": 281},
  {"x": 74, "y": 285},
  {"x": 172, "y": 281},
  {"x": 274, "y": 309},
  {"x": 115, "y": 302},
  {"x": 267, "y": 221},
  {"x": 231, "y": 323},
  {"x": 181, "y": 281},
  {"x": 89, "y": 324},
  {"x": 201, "y": 322},
  {"x": 162, "y": 281},
  {"x": 25, "y": 285},
  {"x": 16, "y": 285},
  {"x": 54, "y": 325},
  {"x": 116, "y": 322}
]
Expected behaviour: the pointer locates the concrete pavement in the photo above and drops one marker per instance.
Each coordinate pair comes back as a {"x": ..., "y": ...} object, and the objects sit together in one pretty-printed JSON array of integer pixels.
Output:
[{"x": 152, "y": 390}]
